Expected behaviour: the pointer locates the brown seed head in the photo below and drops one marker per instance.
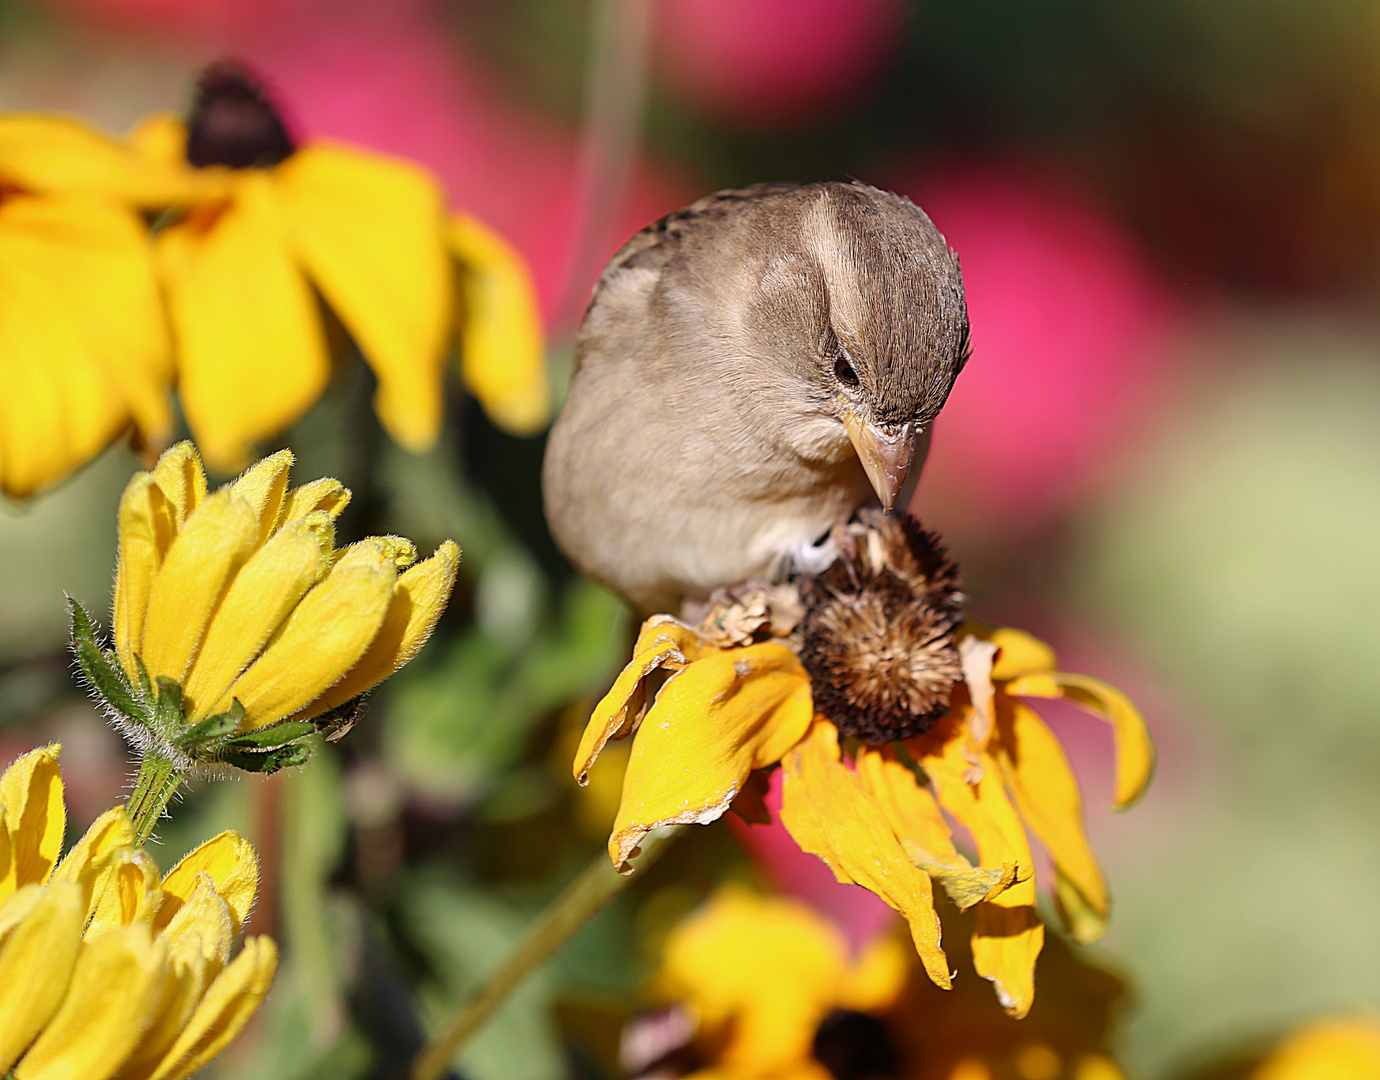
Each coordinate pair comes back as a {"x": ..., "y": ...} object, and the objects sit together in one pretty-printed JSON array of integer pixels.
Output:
[
  {"x": 878, "y": 633},
  {"x": 233, "y": 121}
]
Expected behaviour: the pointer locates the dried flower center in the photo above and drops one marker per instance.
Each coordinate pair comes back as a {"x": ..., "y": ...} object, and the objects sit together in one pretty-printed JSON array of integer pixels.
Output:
[
  {"x": 878, "y": 632},
  {"x": 234, "y": 123}
]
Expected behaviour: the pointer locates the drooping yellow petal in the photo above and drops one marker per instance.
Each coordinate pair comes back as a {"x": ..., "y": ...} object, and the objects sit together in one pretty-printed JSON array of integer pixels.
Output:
[
  {"x": 924, "y": 835},
  {"x": 1039, "y": 778},
  {"x": 502, "y": 359},
  {"x": 1007, "y": 935},
  {"x": 1135, "y": 751},
  {"x": 116, "y": 988},
  {"x": 127, "y": 891},
  {"x": 204, "y": 920},
  {"x": 264, "y": 486},
  {"x": 182, "y": 481},
  {"x": 199, "y": 567},
  {"x": 368, "y": 229},
  {"x": 260, "y": 598},
  {"x": 327, "y": 494},
  {"x": 713, "y": 722},
  {"x": 714, "y": 962},
  {"x": 35, "y": 817},
  {"x": 49, "y": 153},
  {"x": 36, "y": 965},
  {"x": 419, "y": 597},
  {"x": 830, "y": 813},
  {"x": 251, "y": 351},
  {"x": 320, "y": 641},
  {"x": 227, "y": 1006},
  {"x": 663, "y": 642},
  {"x": 229, "y": 860}
]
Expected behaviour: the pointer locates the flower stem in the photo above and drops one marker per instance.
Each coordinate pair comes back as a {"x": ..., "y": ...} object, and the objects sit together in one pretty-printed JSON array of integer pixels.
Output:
[
  {"x": 156, "y": 784},
  {"x": 582, "y": 899}
]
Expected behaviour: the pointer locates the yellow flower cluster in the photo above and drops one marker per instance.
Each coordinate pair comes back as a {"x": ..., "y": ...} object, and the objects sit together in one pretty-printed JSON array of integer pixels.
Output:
[
  {"x": 239, "y": 257},
  {"x": 109, "y": 971},
  {"x": 880, "y": 816},
  {"x": 238, "y": 623}
]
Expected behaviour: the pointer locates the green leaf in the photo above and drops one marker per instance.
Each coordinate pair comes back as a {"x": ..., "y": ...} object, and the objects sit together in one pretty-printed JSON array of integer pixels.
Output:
[
  {"x": 285, "y": 757},
  {"x": 103, "y": 672}
]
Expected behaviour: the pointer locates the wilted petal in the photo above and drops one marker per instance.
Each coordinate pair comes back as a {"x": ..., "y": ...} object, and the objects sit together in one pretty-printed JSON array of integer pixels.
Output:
[
  {"x": 663, "y": 642},
  {"x": 830, "y": 813},
  {"x": 251, "y": 350},
  {"x": 1007, "y": 936},
  {"x": 502, "y": 359},
  {"x": 228, "y": 1004},
  {"x": 199, "y": 567},
  {"x": 262, "y": 595},
  {"x": 36, "y": 963},
  {"x": 322, "y": 639},
  {"x": 35, "y": 817},
  {"x": 229, "y": 860},
  {"x": 1038, "y": 775},
  {"x": 368, "y": 230},
  {"x": 713, "y": 722},
  {"x": 116, "y": 988},
  {"x": 1020, "y": 654},
  {"x": 419, "y": 597}
]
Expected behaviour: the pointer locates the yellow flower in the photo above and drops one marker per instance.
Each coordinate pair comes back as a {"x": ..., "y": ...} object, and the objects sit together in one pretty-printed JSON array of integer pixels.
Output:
[
  {"x": 239, "y": 626},
  {"x": 877, "y": 815},
  {"x": 1327, "y": 1050},
  {"x": 251, "y": 234},
  {"x": 83, "y": 345},
  {"x": 764, "y": 987},
  {"x": 107, "y": 969}
]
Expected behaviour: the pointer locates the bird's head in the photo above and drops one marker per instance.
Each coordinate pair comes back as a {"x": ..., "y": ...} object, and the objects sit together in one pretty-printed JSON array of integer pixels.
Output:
[{"x": 862, "y": 300}]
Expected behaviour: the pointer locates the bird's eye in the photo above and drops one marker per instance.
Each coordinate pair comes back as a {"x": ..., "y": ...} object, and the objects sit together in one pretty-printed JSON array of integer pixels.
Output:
[{"x": 843, "y": 370}]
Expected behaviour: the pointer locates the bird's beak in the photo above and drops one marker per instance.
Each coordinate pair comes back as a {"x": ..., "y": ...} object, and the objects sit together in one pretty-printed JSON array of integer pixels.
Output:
[{"x": 885, "y": 453}]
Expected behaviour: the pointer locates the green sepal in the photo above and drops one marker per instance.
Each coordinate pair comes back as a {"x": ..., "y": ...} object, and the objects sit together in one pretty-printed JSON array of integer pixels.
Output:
[
  {"x": 101, "y": 668},
  {"x": 212, "y": 729},
  {"x": 284, "y": 757},
  {"x": 144, "y": 683},
  {"x": 273, "y": 736},
  {"x": 167, "y": 712}
]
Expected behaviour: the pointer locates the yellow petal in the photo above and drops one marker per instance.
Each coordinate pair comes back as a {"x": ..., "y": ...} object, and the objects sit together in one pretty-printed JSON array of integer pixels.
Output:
[
  {"x": 36, "y": 965},
  {"x": 924, "y": 835},
  {"x": 160, "y": 137},
  {"x": 419, "y": 597},
  {"x": 715, "y": 962},
  {"x": 60, "y": 154},
  {"x": 182, "y": 481},
  {"x": 1135, "y": 751},
  {"x": 136, "y": 565},
  {"x": 1327, "y": 1050},
  {"x": 230, "y": 862},
  {"x": 878, "y": 976},
  {"x": 227, "y": 1006},
  {"x": 326, "y": 634},
  {"x": 502, "y": 359},
  {"x": 1039, "y": 778},
  {"x": 368, "y": 229},
  {"x": 203, "y": 923},
  {"x": 199, "y": 567},
  {"x": 1007, "y": 934},
  {"x": 663, "y": 642},
  {"x": 35, "y": 817},
  {"x": 189, "y": 978},
  {"x": 830, "y": 813},
  {"x": 260, "y": 598},
  {"x": 117, "y": 986},
  {"x": 713, "y": 722},
  {"x": 109, "y": 835},
  {"x": 1021, "y": 653},
  {"x": 251, "y": 349},
  {"x": 15, "y": 908},
  {"x": 126, "y": 892},
  {"x": 327, "y": 495},
  {"x": 264, "y": 486}
]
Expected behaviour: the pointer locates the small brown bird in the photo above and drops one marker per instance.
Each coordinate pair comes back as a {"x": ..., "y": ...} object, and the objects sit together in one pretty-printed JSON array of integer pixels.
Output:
[{"x": 750, "y": 371}]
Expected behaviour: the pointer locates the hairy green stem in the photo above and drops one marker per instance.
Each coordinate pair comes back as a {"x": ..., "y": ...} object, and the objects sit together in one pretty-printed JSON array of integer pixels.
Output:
[
  {"x": 582, "y": 899},
  {"x": 154, "y": 787}
]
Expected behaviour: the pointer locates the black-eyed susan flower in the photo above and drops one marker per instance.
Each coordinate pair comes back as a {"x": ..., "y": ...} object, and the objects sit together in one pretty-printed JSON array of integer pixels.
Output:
[
  {"x": 251, "y": 232},
  {"x": 239, "y": 626},
  {"x": 109, "y": 969},
  {"x": 872, "y": 787},
  {"x": 761, "y": 987}
]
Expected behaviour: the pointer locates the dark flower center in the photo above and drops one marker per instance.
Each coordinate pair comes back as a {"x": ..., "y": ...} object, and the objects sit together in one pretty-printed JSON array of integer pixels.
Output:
[
  {"x": 855, "y": 1046},
  {"x": 233, "y": 122}
]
